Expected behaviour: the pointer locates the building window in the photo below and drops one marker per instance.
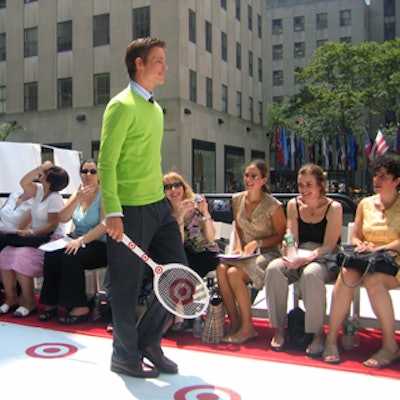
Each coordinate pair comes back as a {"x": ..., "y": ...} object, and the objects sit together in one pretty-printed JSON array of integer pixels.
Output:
[
  {"x": 141, "y": 22},
  {"x": 2, "y": 47},
  {"x": 277, "y": 78},
  {"x": 224, "y": 98},
  {"x": 249, "y": 18},
  {"x": 260, "y": 112},
  {"x": 237, "y": 9},
  {"x": 223, "y": 4},
  {"x": 345, "y": 39},
  {"x": 299, "y": 50},
  {"x": 64, "y": 93},
  {"x": 30, "y": 42},
  {"x": 251, "y": 109},
  {"x": 224, "y": 47},
  {"x": 277, "y": 26},
  {"x": 2, "y": 3},
  {"x": 209, "y": 93},
  {"x": 192, "y": 26},
  {"x": 250, "y": 63},
  {"x": 277, "y": 99},
  {"x": 345, "y": 17},
  {"x": 257, "y": 155},
  {"x": 204, "y": 166},
  {"x": 260, "y": 70},
  {"x": 321, "y": 42},
  {"x": 101, "y": 85},
  {"x": 3, "y": 99},
  {"x": 192, "y": 86},
  {"x": 208, "y": 37},
  {"x": 31, "y": 96},
  {"x": 259, "y": 26},
  {"x": 238, "y": 56},
  {"x": 234, "y": 165},
  {"x": 389, "y": 8},
  {"x": 95, "y": 149},
  {"x": 277, "y": 51},
  {"x": 389, "y": 31},
  {"x": 101, "y": 30},
  {"x": 64, "y": 36},
  {"x": 298, "y": 24},
  {"x": 239, "y": 104},
  {"x": 322, "y": 21}
]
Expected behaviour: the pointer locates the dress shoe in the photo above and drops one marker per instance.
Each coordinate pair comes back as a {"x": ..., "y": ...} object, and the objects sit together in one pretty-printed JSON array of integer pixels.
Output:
[
  {"x": 156, "y": 356},
  {"x": 137, "y": 370}
]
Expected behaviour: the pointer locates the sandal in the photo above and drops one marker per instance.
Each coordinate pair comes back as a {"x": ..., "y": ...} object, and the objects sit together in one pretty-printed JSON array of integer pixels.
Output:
[
  {"x": 178, "y": 326},
  {"x": 74, "y": 319},
  {"x": 330, "y": 354},
  {"x": 47, "y": 314},
  {"x": 382, "y": 359},
  {"x": 22, "y": 312},
  {"x": 5, "y": 308}
]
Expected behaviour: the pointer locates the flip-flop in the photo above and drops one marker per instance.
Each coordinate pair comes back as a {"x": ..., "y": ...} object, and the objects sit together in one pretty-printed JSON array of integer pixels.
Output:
[
  {"x": 331, "y": 354},
  {"x": 382, "y": 359},
  {"x": 22, "y": 312}
]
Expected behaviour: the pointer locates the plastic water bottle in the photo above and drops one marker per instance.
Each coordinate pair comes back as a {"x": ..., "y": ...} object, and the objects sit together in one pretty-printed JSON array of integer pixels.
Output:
[
  {"x": 348, "y": 334},
  {"x": 197, "y": 327},
  {"x": 290, "y": 245},
  {"x": 356, "y": 325}
]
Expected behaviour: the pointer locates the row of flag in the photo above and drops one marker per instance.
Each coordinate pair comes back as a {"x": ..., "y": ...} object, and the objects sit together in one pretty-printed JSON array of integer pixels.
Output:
[{"x": 291, "y": 150}]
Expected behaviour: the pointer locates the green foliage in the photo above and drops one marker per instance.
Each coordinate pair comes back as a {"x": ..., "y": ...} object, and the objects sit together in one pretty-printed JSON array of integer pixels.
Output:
[
  {"x": 7, "y": 129},
  {"x": 342, "y": 82}
]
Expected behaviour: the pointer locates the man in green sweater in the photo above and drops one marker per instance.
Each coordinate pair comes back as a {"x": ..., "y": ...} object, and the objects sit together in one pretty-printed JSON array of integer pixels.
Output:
[{"x": 134, "y": 201}]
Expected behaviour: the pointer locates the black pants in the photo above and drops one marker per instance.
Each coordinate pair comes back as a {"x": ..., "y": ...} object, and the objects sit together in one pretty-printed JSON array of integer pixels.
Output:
[
  {"x": 64, "y": 274},
  {"x": 155, "y": 230}
]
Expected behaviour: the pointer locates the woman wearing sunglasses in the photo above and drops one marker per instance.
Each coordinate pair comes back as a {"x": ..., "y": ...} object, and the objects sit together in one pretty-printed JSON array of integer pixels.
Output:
[
  {"x": 196, "y": 226},
  {"x": 259, "y": 227},
  {"x": 64, "y": 270}
]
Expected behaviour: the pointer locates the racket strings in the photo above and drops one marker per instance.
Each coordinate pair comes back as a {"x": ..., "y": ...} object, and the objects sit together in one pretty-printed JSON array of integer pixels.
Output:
[{"x": 182, "y": 291}]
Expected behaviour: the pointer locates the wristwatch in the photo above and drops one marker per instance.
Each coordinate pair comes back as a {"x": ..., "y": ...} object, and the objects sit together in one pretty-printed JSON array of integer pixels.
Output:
[{"x": 83, "y": 245}]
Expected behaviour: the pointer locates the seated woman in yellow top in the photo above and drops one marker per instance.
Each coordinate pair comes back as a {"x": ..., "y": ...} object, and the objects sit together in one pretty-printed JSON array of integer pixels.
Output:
[{"x": 376, "y": 226}]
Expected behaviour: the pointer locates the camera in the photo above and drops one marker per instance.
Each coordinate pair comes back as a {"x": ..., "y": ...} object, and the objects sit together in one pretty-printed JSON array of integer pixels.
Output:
[{"x": 197, "y": 199}]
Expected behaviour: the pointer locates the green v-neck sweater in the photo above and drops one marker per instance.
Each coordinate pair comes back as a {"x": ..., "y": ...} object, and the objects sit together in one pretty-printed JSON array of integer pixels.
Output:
[{"x": 129, "y": 164}]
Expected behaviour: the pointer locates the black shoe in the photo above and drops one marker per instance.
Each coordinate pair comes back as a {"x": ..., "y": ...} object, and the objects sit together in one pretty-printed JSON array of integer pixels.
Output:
[
  {"x": 74, "y": 319},
  {"x": 48, "y": 314},
  {"x": 156, "y": 356},
  {"x": 138, "y": 370}
]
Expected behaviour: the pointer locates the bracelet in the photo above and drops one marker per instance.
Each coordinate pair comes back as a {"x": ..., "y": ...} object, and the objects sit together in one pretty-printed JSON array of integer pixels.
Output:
[
  {"x": 83, "y": 244},
  {"x": 206, "y": 219}
]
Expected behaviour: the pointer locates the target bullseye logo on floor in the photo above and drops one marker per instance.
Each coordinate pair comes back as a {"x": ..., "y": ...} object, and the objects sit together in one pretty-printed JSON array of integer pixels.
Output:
[
  {"x": 51, "y": 350},
  {"x": 206, "y": 392}
]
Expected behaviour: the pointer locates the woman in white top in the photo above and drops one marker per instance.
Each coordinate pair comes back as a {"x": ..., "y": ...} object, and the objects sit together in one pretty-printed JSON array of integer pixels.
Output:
[
  {"x": 21, "y": 264},
  {"x": 13, "y": 210}
]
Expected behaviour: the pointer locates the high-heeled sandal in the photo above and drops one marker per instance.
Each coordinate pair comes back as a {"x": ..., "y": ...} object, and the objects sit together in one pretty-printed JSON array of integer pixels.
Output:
[{"x": 48, "y": 314}]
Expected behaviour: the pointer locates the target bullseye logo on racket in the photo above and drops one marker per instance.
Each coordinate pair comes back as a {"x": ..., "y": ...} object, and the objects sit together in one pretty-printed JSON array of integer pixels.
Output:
[{"x": 178, "y": 288}]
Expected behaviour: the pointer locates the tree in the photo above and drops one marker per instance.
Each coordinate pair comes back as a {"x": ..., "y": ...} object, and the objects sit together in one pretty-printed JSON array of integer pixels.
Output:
[{"x": 6, "y": 129}]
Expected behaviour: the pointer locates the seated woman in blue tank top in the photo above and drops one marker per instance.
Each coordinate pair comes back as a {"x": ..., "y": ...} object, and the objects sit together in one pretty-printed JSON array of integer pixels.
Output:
[
  {"x": 64, "y": 270},
  {"x": 316, "y": 223}
]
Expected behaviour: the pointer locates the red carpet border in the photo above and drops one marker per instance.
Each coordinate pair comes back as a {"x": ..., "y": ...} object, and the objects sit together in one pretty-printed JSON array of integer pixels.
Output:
[{"x": 370, "y": 342}]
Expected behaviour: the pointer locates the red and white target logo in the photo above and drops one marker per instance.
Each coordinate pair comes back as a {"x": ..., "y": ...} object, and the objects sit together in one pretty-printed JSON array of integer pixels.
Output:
[
  {"x": 206, "y": 392},
  {"x": 131, "y": 245},
  {"x": 181, "y": 291},
  {"x": 158, "y": 270},
  {"x": 145, "y": 257},
  {"x": 51, "y": 350}
]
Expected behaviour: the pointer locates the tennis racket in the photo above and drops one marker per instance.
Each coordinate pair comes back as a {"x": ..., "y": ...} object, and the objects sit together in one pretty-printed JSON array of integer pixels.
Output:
[{"x": 178, "y": 288}]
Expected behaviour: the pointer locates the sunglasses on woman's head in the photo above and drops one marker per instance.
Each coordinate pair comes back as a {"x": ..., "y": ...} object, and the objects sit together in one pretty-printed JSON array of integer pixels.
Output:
[
  {"x": 174, "y": 185},
  {"x": 90, "y": 171}
]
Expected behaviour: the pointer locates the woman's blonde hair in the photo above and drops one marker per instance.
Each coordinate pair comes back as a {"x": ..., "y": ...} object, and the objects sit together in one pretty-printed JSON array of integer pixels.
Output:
[{"x": 172, "y": 177}]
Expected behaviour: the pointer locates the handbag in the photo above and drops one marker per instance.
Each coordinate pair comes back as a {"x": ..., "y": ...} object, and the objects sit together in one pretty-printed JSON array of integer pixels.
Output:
[
  {"x": 14, "y": 240},
  {"x": 379, "y": 261},
  {"x": 214, "y": 324}
]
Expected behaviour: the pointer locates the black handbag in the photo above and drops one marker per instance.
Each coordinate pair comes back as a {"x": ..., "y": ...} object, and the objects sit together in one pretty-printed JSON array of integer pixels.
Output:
[
  {"x": 380, "y": 261},
  {"x": 12, "y": 239}
]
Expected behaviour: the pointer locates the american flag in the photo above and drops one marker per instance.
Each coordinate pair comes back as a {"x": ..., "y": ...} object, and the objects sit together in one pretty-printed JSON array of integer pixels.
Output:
[{"x": 380, "y": 146}]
